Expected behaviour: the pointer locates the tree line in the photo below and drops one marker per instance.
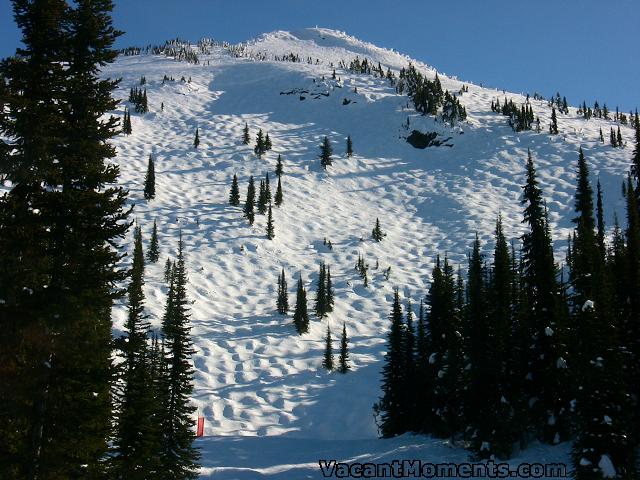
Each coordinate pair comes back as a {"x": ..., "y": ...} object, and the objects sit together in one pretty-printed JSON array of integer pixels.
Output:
[{"x": 524, "y": 350}]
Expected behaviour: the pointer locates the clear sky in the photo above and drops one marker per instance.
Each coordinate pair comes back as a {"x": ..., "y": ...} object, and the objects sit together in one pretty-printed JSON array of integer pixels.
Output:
[{"x": 585, "y": 49}]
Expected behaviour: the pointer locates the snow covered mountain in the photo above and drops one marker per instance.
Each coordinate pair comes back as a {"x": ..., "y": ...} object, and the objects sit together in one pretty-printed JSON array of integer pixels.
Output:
[{"x": 270, "y": 409}]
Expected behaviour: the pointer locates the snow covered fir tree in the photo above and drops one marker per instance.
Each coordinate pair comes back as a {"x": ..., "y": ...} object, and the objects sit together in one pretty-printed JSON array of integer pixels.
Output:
[{"x": 179, "y": 227}]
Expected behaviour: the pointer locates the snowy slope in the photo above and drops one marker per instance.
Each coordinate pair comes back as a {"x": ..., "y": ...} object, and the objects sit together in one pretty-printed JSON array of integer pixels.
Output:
[{"x": 270, "y": 409}]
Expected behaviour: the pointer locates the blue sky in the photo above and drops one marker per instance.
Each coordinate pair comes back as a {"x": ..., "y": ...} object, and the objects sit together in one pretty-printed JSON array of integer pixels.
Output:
[{"x": 585, "y": 49}]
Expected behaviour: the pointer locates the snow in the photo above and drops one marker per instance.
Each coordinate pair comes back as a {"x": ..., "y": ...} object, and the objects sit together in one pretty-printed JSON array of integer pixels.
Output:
[
  {"x": 270, "y": 409},
  {"x": 548, "y": 331},
  {"x": 588, "y": 305},
  {"x": 606, "y": 467}
]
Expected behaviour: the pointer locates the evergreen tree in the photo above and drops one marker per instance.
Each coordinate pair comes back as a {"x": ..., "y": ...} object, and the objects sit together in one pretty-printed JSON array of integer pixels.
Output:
[
  {"x": 58, "y": 271},
  {"x": 245, "y": 134},
  {"x": 136, "y": 442},
  {"x": 270, "y": 229},
  {"x": 234, "y": 194},
  {"x": 259, "y": 149},
  {"x": 446, "y": 359},
  {"x": 325, "y": 153},
  {"x": 279, "y": 170},
  {"x": 377, "y": 232},
  {"x": 602, "y": 408},
  {"x": 547, "y": 376},
  {"x": 262, "y": 198},
  {"x": 167, "y": 270},
  {"x": 410, "y": 401},
  {"x": 601, "y": 233},
  {"x": 329, "y": 291},
  {"x": 154, "y": 250},
  {"x": 278, "y": 197},
  {"x": 619, "y": 138},
  {"x": 267, "y": 189},
  {"x": 343, "y": 360},
  {"x": 321, "y": 292},
  {"x": 150, "y": 180},
  {"x": 349, "y": 146},
  {"x": 283, "y": 296},
  {"x": 249, "y": 203},
  {"x": 394, "y": 415},
  {"x": 553, "y": 127},
  {"x": 300, "y": 315},
  {"x": 601, "y": 136},
  {"x": 179, "y": 457},
  {"x": 267, "y": 143},
  {"x": 196, "y": 140},
  {"x": 327, "y": 361}
]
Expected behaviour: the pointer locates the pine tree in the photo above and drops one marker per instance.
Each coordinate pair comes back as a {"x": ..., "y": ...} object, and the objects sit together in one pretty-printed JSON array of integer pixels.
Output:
[
  {"x": 150, "y": 180},
  {"x": 283, "y": 296},
  {"x": 267, "y": 143},
  {"x": 601, "y": 136},
  {"x": 327, "y": 361},
  {"x": 409, "y": 341},
  {"x": 321, "y": 292},
  {"x": 270, "y": 229},
  {"x": 279, "y": 170},
  {"x": 196, "y": 140},
  {"x": 619, "y": 138},
  {"x": 343, "y": 360},
  {"x": 58, "y": 272},
  {"x": 267, "y": 189},
  {"x": 234, "y": 194},
  {"x": 259, "y": 149},
  {"x": 553, "y": 127},
  {"x": 179, "y": 457},
  {"x": 278, "y": 197},
  {"x": 446, "y": 360},
  {"x": 136, "y": 443},
  {"x": 602, "y": 408},
  {"x": 377, "y": 232},
  {"x": 329, "y": 291},
  {"x": 349, "y": 146},
  {"x": 167, "y": 270},
  {"x": 262, "y": 198},
  {"x": 300, "y": 315},
  {"x": 601, "y": 233},
  {"x": 547, "y": 376},
  {"x": 249, "y": 203},
  {"x": 154, "y": 250},
  {"x": 325, "y": 153},
  {"x": 392, "y": 408},
  {"x": 246, "y": 139}
]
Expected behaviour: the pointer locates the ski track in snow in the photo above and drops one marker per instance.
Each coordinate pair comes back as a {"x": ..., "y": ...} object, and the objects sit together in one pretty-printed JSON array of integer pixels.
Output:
[{"x": 270, "y": 409}]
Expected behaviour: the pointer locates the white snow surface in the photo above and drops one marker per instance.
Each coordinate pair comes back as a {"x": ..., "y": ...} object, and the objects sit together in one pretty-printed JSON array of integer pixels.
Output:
[{"x": 271, "y": 411}]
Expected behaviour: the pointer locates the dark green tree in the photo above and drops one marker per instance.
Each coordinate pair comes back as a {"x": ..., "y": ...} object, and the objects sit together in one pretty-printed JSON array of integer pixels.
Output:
[
  {"x": 321, "y": 292},
  {"x": 278, "y": 197},
  {"x": 548, "y": 380},
  {"x": 58, "y": 224},
  {"x": 553, "y": 126},
  {"x": 270, "y": 229},
  {"x": 279, "y": 170},
  {"x": 300, "y": 315},
  {"x": 153, "y": 254},
  {"x": 377, "y": 232},
  {"x": 260, "y": 148},
  {"x": 392, "y": 404},
  {"x": 179, "y": 457},
  {"x": 343, "y": 360},
  {"x": 283, "y": 295},
  {"x": 267, "y": 143},
  {"x": 349, "y": 146},
  {"x": 246, "y": 139},
  {"x": 196, "y": 140},
  {"x": 325, "y": 153},
  {"x": 250, "y": 201},
  {"x": 329, "y": 291},
  {"x": 150, "y": 180},
  {"x": 234, "y": 194},
  {"x": 327, "y": 361},
  {"x": 262, "y": 198}
]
